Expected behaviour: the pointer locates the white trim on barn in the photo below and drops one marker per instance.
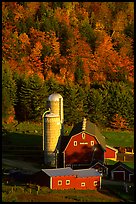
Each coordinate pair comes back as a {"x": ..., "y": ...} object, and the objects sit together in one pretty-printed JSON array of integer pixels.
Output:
[
  {"x": 95, "y": 183},
  {"x": 112, "y": 148},
  {"x": 50, "y": 182},
  {"x": 95, "y": 137},
  {"x": 116, "y": 151},
  {"x": 67, "y": 182},
  {"x": 112, "y": 174},
  {"x": 100, "y": 181},
  {"x": 82, "y": 184},
  {"x": 130, "y": 176},
  {"x": 122, "y": 167}
]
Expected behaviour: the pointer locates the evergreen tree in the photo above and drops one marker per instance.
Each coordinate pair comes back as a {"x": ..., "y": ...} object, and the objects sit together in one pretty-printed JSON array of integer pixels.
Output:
[
  {"x": 32, "y": 98},
  {"x": 73, "y": 104},
  {"x": 8, "y": 91}
]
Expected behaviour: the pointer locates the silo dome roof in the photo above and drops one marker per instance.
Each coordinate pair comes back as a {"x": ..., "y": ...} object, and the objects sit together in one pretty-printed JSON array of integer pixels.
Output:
[{"x": 54, "y": 97}]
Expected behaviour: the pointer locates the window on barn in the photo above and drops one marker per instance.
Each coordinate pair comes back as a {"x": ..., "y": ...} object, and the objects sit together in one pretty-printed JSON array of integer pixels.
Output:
[
  {"x": 67, "y": 182},
  {"x": 95, "y": 183},
  {"x": 75, "y": 143},
  {"x": 92, "y": 143},
  {"x": 83, "y": 135},
  {"x": 59, "y": 182},
  {"x": 83, "y": 184}
]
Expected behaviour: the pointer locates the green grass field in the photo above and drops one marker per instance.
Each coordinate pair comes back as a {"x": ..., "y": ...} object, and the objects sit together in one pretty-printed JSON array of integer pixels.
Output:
[
  {"x": 31, "y": 134},
  {"x": 124, "y": 139},
  {"x": 25, "y": 194}
]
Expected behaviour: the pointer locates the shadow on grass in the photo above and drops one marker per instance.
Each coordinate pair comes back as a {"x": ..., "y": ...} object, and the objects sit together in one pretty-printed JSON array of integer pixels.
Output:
[
  {"x": 22, "y": 139},
  {"x": 23, "y": 146}
]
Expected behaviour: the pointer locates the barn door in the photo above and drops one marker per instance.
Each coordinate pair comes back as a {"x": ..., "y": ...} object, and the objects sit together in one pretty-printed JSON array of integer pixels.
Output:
[{"x": 119, "y": 175}]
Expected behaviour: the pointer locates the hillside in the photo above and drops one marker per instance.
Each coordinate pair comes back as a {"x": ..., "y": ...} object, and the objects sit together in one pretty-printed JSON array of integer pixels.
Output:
[{"x": 83, "y": 50}]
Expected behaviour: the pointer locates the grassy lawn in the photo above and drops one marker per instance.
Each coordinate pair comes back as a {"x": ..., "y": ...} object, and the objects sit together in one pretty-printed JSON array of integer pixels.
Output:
[
  {"x": 121, "y": 192},
  {"x": 111, "y": 162},
  {"x": 32, "y": 133},
  {"x": 24, "y": 194},
  {"x": 124, "y": 139}
]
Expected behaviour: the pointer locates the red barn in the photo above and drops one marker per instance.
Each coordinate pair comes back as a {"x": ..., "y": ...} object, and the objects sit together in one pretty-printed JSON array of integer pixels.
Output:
[
  {"x": 85, "y": 145},
  {"x": 110, "y": 153},
  {"x": 67, "y": 178}
]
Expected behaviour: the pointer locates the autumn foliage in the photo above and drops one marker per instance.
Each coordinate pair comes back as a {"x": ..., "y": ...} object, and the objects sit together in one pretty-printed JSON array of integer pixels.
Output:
[{"x": 70, "y": 42}]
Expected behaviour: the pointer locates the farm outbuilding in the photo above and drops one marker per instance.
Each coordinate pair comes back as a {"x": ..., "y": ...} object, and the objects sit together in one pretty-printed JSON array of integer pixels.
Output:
[
  {"x": 110, "y": 153},
  {"x": 67, "y": 178},
  {"x": 84, "y": 145},
  {"x": 122, "y": 172},
  {"x": 100, "y": 167}
]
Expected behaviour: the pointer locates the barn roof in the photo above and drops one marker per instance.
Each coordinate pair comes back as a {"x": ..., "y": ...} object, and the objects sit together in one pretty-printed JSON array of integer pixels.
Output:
[
  {"x": 59, "y": 171},
  {"x": 119, "y": 163},
  {"x": 116, "y": 150},
  {"x": 95, "y": 162},
  {"x": 90, "y": 128},
  {"x": 86, "y": 172},
  {"x": 68, "y": 171}
]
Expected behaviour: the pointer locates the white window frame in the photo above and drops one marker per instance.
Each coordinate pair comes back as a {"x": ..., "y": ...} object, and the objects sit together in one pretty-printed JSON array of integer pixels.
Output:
[
  {"x": 92, "y": 143},
  {"x": 130, "y": 176},
  {"x": 59, "y": 182},
  {"x": 67, "y": 182},
  {"x": 95, "y": 183},
  {"x": 82, "y": 184},
  {"x": 75, "y": 143},
  {"x": 83, "y": 135}
]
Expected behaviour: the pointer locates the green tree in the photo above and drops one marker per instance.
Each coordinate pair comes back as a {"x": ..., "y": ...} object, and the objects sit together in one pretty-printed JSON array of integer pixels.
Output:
[
  {"x": 120, "y": 101},
  {"x": 87, "y": 31},
  {"x": 32, "y": 94},
  {"x": 73, "y": 104},
  {"x": 8, "y": 91},
  {"x": 95, "y": 105}
]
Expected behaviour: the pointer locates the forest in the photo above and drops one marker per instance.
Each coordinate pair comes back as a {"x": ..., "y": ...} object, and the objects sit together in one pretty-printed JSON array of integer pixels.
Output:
[{"x": 82, "y": 50}]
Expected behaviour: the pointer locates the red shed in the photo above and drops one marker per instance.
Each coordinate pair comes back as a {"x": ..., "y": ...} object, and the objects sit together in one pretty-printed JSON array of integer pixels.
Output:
[
  {"x": 67, "y": 178},
  {"x": 111, "y": 153},
  {"x": 85, "y": 144},
  {"x": 122, "y": 172},
  {"x": 87, "y": 179}
]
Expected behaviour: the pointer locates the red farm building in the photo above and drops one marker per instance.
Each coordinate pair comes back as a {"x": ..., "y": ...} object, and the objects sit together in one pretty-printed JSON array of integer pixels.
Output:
[
  {"x": 122, "y": 172},
  {"x": 110, "y": 153},
  {"x": 67, "y": 178},
  {"x": 84, "y": 144}
]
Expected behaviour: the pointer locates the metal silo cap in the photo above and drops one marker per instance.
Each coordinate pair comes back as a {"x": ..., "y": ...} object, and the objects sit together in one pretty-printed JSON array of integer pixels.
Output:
[{"x": 54, "y": 97}]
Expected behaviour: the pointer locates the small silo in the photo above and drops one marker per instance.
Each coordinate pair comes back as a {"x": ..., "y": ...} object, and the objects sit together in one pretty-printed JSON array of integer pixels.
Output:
[{"x": 52, "y": 131}]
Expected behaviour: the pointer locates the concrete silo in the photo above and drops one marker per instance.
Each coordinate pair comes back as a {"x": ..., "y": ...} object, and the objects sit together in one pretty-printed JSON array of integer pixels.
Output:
[
  {"x": 52, "y": 131},
  {"x": 52, "y": 128}
]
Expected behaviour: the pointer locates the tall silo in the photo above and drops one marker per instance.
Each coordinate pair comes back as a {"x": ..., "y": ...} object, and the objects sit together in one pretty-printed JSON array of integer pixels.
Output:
[
  {"x": 52, "y": 131},
  {"x": 52, "y": 128}
]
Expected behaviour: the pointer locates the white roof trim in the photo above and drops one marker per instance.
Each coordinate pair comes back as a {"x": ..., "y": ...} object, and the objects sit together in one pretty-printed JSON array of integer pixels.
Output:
[
  {"x": 100, "y": 164},
  {"x": 78, "y": 134},
  {"x": 112, "y": 148},
  {"x": 122, "y": 167}
]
